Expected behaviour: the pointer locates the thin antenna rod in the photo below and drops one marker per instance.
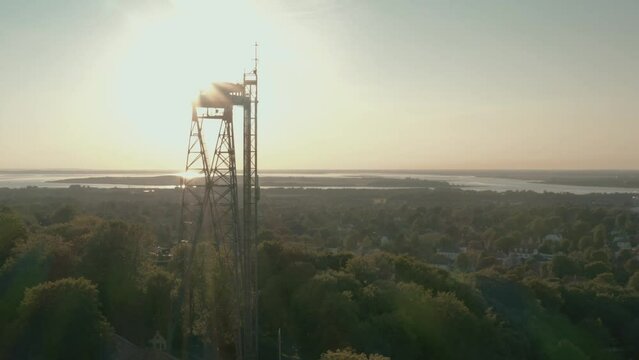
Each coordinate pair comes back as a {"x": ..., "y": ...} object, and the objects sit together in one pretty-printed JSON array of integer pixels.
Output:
[{"x": 255, "y": 59}]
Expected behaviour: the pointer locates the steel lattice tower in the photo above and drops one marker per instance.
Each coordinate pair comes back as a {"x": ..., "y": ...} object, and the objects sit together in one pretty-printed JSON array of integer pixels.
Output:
[
  {"x": 210, "y": 205},
  {"x": 250, "y": 198}
]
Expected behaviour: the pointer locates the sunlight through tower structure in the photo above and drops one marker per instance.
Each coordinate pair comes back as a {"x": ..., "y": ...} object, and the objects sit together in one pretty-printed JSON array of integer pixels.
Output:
[{"x": 210, "y": 201}]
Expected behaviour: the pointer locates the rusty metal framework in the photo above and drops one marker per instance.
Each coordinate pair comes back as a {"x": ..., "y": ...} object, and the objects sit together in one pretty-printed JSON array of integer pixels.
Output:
[{"x": 210, "y": 201}]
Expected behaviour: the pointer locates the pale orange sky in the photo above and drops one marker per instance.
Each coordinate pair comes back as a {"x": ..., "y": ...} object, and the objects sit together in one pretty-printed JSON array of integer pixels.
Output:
[{"x": 350, "y": 84}]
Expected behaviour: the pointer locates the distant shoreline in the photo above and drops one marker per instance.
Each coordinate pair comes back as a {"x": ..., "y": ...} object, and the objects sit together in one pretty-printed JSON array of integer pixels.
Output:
[
  {"x": 292, "y": 181},
  {"x": 165, "y": 180},
  {"x": 605, "y": 179}
]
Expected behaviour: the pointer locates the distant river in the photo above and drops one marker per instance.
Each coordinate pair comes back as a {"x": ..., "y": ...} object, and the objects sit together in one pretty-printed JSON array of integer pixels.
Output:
[
  {"x": 21, "y": 179},
  {"x": 475, "y": 183}
]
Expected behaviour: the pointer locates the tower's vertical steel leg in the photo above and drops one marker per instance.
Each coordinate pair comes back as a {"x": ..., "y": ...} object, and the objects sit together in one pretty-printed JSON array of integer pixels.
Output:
[
  {"x": 196, "y": 205},
  {"x": 250, "y": 198},
  {"x": 226, "y": 222}
]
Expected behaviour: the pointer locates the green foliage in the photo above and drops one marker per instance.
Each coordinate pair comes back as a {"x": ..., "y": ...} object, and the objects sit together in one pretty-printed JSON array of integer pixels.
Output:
[
  {"x": 565, "y": 350},
  {"x": 613, "y": 306},
  {"x": 633, "y": 282},
  {"x": 463, "y": 262},
  {"x": 542, "y": 327},
  {"x": 37, "y": 259},
  {"x": 159, "y": 292},
  {"x": 63, "y": 214},
  {"x": 549, "y": 294},
  {"x": 606, "y": 278},
  {"x": 586, "y": 242},
  {"x": 349, "y": 354},
  {"x": 367, "y": 269},
  {"x": 11, "y": 229},
  {"x": 562, "y": 265},
  {"x": 596, "y": 268},
  {"x": 403, "y": 308},
  {"x": 599, "y": 236},
  {"x": 506, "y": 243},
  {"x": 377, "y": 303},
  {"x": 323, "y": 297},
  {"x": 61, "y": 320},
  {"x": 631, "y": 265},
  {"x": 113, "y": 257}
]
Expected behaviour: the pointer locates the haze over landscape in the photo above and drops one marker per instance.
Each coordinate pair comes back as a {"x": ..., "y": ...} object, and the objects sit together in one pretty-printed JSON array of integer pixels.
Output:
[
  {"x": 436, "y": 179},
  {"x": 107, "y": 84}
]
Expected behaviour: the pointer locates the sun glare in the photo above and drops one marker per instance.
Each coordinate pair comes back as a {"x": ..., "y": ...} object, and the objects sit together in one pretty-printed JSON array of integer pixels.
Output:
[
  {"x": 171, "y": 59},
  {"x": 189, "y": 175}
]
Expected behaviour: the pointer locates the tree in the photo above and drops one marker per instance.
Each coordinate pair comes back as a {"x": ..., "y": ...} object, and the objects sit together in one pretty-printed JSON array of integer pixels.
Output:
[
  {"x": 115, "y": 254},
  {"x": 373, "y": 267},
  {"x": 505, "y": 243},
  {"x": 586, "y": 242},
  {"x": 606, "y": 278},
  {"x": 114, "y": 258},
  {"x": 548, "y": 293},
  {"x": 349, "y": 354},
  {"x": 566, "y": 350},
  {"x": 62, "y": 215},
  {"x": 158, "y": 289},
  {"x": 631, "y": 265},
  {"x": 325, "y": 312},
  {"x": 595, "y": 268},
  {"x": 598, "y": 255},
  {"x": 463, "y": 262},
  {"x": 486, "y": 261},
  {"x": 562, "y": 265},
  {"x": 633, "y": 282},
  {"x": 38, "y": 259},
  {"x": 61, "y": 320},
  {"x": 599, "y": 236},
  {"x": 11, "y": 229}
]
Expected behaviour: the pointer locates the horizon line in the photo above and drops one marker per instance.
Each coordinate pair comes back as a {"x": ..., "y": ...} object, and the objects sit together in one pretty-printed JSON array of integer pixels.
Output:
[{"x": 174, "y": 171}]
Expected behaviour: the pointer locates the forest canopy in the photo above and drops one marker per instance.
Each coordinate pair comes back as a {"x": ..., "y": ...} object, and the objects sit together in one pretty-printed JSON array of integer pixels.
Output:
[{"x": 342, "y": 275}]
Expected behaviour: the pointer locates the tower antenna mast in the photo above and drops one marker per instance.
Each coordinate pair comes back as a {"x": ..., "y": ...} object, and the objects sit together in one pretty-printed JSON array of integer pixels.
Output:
[{"x": 255, "y": 59}]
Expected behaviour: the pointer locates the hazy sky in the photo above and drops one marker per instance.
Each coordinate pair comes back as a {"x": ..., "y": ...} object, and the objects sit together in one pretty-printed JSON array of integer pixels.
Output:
[{"x": 344, "y": 83}]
